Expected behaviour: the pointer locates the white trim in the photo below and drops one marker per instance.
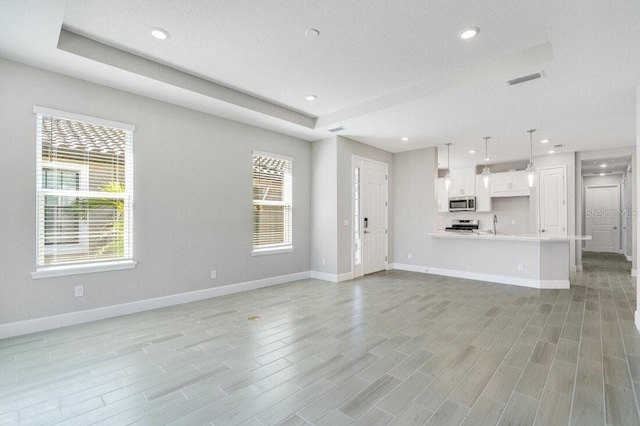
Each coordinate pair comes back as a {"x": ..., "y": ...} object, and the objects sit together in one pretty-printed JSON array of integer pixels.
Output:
[
  {"x": 579, "y": 268},
  {"x": 264, "y": 251},
  {"x": 501, "y": 279},
  {"x": 345, "y": 277},
  {"x": 56, "y": 321},
  {"x": 629, "y": 258},
  {"x": 271, "y": 154},
  {"x": 573, "y": 268},
  {"x": 324, "y": 276},
  {"x": 84, "y": 118},
  {"x": 77, "y": 269},
  {"x": 634, "y": 272},
  {"x": 637, "y": 321}
]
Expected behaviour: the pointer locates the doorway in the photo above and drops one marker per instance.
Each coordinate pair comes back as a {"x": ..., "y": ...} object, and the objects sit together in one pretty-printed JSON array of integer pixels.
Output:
[
  {"x": 602, "y": 218},
  {"x": 552, "y": 197},
  {"x": 370, "y": 216}
]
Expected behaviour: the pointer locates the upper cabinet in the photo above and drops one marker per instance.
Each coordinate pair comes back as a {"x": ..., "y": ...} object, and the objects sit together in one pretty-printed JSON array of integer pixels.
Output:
[
  {"x": 509, "y": 184},
  {"x": 464, "y": 182},
  {"x": 483, "y": 196}
]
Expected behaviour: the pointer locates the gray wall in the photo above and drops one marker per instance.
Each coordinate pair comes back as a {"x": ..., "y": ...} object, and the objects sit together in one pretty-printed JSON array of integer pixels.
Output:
[
  {"x": 324, "y": 204},
  {"x": 414, "y": 206},
  {"x": 192, "y": 198}
]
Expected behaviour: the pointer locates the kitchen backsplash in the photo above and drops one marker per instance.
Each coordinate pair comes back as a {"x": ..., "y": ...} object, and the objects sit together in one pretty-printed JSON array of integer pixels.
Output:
[{"x": 512, "y": 212}]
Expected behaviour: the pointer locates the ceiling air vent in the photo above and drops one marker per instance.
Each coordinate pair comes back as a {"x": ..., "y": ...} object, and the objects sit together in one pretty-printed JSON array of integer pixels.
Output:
[
  {"x": 337, "y": 129},
  {"x": 525, "y": 78},
  {"x": 558, "y": 146}
]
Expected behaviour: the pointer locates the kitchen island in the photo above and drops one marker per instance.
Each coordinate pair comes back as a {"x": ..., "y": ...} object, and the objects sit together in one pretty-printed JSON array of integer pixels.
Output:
[{"x": 537, "y": 261}]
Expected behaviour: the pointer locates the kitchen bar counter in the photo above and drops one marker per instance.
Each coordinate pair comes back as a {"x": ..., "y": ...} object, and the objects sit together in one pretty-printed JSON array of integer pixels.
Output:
[
  {"x": 537, "y": 261},
  {"x": 520, "y": 237}
]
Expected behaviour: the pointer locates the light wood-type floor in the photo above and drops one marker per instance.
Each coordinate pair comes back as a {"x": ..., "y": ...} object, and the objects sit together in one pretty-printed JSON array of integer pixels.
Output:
[{"x": 392, "y": 348}]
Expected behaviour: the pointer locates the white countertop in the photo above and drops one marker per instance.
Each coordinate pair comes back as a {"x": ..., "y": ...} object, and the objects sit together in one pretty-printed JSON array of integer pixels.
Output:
[{"x": 506, "y": 237}]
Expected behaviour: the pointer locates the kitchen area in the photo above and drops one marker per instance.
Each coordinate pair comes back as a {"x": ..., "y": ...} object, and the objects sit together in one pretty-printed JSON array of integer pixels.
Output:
[{"x": 509, "y": 226}]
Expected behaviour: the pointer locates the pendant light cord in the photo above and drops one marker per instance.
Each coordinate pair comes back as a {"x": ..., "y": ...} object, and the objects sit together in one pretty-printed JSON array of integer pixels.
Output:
[{"x": 531, "y": 145}]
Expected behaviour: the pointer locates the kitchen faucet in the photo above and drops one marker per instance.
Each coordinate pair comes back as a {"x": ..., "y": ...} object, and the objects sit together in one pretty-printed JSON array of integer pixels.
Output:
[{"x": 495, "y": 221}]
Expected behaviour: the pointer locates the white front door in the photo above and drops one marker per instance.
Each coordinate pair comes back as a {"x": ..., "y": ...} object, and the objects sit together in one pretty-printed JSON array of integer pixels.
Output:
[
  {"x": 373, "y": 215},
  {"x": 552, "y": 201},
  {"x": 602, "y": 218}
]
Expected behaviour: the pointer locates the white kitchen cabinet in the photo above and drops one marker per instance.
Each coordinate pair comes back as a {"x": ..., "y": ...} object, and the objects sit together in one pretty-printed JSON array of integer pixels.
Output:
[
  {"x": 464, "y": 182},
  {"x": 443, "y": 197},
  {"x": 483, "y": 196},
  {"x": 509, "y": 184}
]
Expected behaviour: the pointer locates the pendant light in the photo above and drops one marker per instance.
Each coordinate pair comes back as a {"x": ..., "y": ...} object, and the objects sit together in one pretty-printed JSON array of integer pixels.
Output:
[
  {"x": 448, "y": 179},
  {"x": 532, "y": 173},
  {"x": 486, "y": 173}
]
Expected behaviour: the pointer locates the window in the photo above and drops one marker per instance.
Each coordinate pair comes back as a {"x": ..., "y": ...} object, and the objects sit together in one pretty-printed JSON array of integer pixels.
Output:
[
  {"x": 272, "y": 203},
  {"x": 84, "y": 185}
]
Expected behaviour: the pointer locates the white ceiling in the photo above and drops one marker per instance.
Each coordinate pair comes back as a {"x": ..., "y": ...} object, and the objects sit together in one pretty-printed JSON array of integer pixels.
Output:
[{"x": 381, "y": 69}]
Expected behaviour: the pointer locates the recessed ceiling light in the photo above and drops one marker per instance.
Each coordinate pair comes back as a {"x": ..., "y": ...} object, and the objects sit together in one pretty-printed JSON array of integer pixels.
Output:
[
  {"x": 159, "y": 33},
  {"x": 472, "y": 151},
  {"x": 603, "y": 165},
  {"x": 487, "y": 159},
  {"x": 406, "y": 138},
  {"x": 469, "y": 33},
  {"x": 310, "y": 97},
  {"x": 311, "y": 33},
  {"x": 552, "y": 151},
  {"x": 544, "y": 141}
]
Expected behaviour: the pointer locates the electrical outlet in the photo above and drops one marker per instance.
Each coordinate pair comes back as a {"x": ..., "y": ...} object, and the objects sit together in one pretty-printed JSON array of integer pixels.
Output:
[
  {"x": 214, "y": 274},
  {"x": 410, "y": 255},
  {"x": 324, "y": 261},
  {"x": 520, "y": 266},
  {"x": 79, "y": 291}
]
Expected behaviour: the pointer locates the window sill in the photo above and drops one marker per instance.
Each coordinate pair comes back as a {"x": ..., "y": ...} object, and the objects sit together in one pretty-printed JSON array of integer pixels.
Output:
[
  {"x": 64, "y": 270},
  {"x": 261, "y": 252}
]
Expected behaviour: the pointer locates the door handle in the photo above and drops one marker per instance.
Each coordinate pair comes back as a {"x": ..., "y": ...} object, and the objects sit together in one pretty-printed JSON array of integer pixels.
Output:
[
  {"x": 543, "y": 230},
  {"x": 615, "y": 227}
]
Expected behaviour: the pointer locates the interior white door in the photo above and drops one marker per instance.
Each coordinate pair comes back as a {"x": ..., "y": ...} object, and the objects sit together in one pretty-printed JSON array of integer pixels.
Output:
[
  {"x": 552, "y": 200},
  {"x": 602, "y": 218},
  {"x": 374, "y": 216}
]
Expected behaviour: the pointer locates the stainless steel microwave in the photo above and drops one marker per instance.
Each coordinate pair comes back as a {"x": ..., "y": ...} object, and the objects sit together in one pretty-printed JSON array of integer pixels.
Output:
[{"x": 462, "y": 204}]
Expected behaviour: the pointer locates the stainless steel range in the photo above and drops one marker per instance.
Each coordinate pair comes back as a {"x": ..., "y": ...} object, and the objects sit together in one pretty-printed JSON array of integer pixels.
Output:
[{"x": 463, "y": 226}]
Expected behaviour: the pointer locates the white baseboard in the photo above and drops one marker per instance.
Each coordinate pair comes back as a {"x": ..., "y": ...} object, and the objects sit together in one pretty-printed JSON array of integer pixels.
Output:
[
  {"x": 345, "y": 277},
  {"x": 501, "y": 279},
  {"x": 637, "y": 320},
  {"x": 573, "y": 268},
  {"x": 579, "y": 268},
  {"x": 324, "y": 276},
  {"x": 334, "y": 278},
  {"x": 19, "y": 328}
]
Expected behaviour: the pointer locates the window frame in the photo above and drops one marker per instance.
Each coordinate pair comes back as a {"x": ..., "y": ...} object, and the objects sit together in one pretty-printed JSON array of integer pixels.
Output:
[
  {"x": 83, "y": 244},
  {"x": 285, "y": 247},
  {"x": 94, "y": 265}
]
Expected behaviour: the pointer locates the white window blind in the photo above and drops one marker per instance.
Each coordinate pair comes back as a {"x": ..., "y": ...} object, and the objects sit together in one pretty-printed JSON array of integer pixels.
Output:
[
  {"x": 272, "y": 202},
  {"x": 84, "y": 185}
]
